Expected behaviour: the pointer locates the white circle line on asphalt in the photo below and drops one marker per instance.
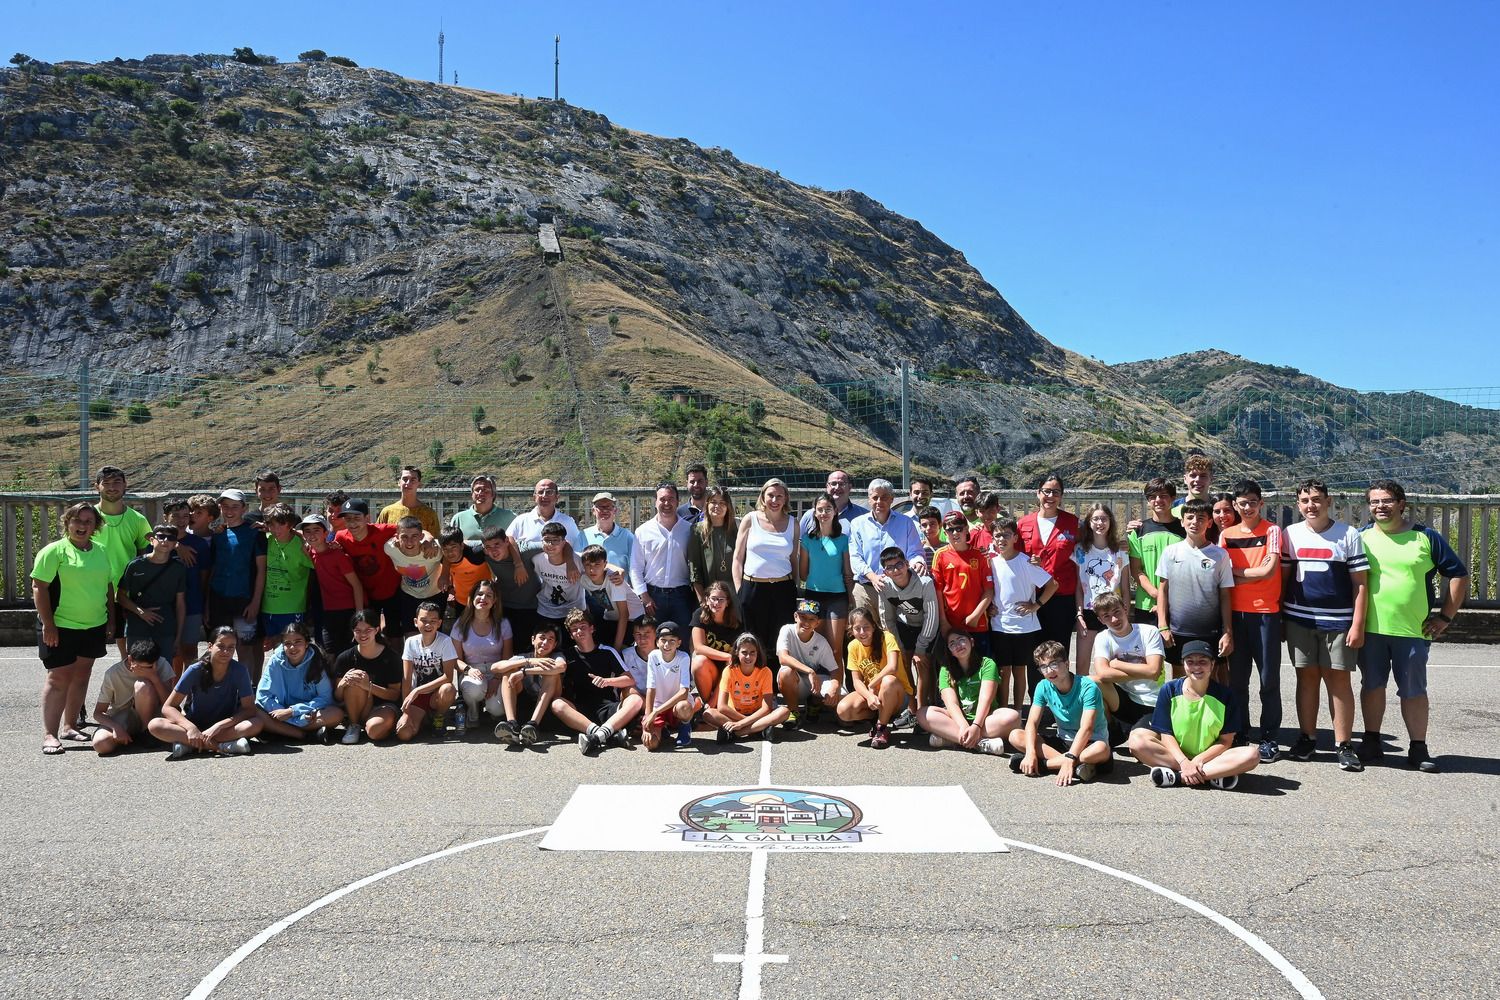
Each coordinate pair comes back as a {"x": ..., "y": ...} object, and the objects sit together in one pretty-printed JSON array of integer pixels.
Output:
[
  {"x": 213, "y": 979},
  {"x": 1289, "y": 972}
]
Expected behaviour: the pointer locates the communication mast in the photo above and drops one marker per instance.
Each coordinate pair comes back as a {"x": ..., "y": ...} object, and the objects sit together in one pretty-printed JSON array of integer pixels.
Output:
[
  {"x": 556, "y": 61},
  {"x": 440, "y": 52}
]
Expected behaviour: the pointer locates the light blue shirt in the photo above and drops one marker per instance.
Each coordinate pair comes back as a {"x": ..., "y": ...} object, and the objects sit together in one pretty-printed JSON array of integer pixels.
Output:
[
  {"x": 868, "y": 538},
  {"x": 285, "y": 685}
]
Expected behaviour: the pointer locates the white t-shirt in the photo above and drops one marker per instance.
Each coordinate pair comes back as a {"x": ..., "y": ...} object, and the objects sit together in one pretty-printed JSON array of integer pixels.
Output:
[
  {"x": 556, "y": 596},
  {"x": 1143, "y": 641},
  {"x": 1044, "y": 528},
  {"x": 1100, "y": 571},
  {"x": 427, "y": 661},
  {"x": 815, "y": 652},
  {"x": 668, "y": 678},
  {"x": 419, "y": 574},
  {"x": 635, "y": 666},
  {"x": 1017, "y": 581},
  {"x": 608, "y": 592}
]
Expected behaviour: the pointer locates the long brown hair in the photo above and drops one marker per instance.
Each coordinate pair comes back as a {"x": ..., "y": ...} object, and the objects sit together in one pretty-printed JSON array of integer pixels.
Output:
[
  {"x": 705, "y": 527},
  {"x": 466, "y": 617}
]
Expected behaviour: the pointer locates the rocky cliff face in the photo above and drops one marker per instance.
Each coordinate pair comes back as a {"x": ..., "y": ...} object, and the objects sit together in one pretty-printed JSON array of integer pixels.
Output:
[{"x": 270, "y": 225}]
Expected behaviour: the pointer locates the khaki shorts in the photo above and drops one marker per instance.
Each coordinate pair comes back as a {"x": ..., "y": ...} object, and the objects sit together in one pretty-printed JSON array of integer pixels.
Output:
[
  {"x": 128, "y": 720},
  {"x": 1311, "y": 648}
]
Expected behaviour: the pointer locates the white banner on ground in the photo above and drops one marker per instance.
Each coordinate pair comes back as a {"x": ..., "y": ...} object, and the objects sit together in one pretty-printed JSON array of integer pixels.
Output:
[{"x": 873, "y": 818}]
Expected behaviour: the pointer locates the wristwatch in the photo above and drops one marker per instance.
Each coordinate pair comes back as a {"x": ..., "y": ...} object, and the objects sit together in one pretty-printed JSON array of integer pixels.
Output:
[{"x": 1071, "y": 756}]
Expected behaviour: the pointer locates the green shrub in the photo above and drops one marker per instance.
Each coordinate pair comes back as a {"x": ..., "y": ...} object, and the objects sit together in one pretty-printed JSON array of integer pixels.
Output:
[
  {"x": 46, "y": 130},
  {"x": 183, "y": 109},
  {"x": 245, "y": 54},
  {"x": 101, "y": 409},
  {"x": 160, "y": 289},
  {"x": 422, "y": 198},
  {"x": 343, "y": 61},
  {"x": 193, "y": 282},
  {"x": 30, "y": 420},
  {"x": 312, "y": 55},
  {"x": 230, "y": 118},
  {"x": 98, "y": 298},
  {"x": 138, "y": 412}
]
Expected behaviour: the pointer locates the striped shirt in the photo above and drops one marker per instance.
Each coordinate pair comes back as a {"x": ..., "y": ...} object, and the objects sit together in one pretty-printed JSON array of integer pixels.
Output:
[{"x": 1320, "y": 591}]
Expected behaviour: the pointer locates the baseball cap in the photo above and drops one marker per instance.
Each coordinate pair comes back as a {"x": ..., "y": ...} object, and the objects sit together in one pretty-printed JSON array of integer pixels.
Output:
[
  {"x": 315, "y": 519},
  {"x": 356, "y": 506},
  {"x": 601, "y": 497},
  {"x": 238, "y": 496},
  {"x": 668, "y": 628},
  {"x": 809, "y": 607},
  {"x": 1198, "y": 648}
]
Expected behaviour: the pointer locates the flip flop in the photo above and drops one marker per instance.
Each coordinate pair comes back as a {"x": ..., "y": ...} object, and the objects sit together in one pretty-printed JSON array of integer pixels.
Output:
[
  {"x": 74, "y": 736},
  {"x": 52, "y": 749}
]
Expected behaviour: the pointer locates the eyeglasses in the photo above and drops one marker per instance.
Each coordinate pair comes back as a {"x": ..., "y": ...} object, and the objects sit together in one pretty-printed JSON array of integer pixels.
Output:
[
  {"x": 1050, "y": 493},
  {"x": 1384, "y": 503}
]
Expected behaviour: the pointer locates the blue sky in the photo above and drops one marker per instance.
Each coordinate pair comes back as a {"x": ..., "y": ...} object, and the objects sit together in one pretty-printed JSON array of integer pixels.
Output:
[{"x": 1303, "y": 184}]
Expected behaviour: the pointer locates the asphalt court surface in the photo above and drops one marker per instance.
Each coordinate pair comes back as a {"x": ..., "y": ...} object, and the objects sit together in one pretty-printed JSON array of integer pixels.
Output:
[{"x": 135, "y": 877}]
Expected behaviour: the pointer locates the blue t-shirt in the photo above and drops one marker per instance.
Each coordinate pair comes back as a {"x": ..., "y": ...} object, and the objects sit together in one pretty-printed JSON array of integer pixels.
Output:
[
  {"x": 234, "y": 552},
  {"x": 208, "y": 702},
  {"x": 1067, "y": 709},
  {"x": 825, "y": 563},
  {"x": 193, "y": 593}
]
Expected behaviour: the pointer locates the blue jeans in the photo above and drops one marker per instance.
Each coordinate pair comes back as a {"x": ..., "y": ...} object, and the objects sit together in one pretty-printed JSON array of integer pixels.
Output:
[{"x": 674, "y": 604}]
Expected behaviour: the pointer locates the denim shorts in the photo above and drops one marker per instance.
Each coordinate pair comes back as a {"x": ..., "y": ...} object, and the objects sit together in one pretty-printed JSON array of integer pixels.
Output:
[{"x": 1383, "y": 655}]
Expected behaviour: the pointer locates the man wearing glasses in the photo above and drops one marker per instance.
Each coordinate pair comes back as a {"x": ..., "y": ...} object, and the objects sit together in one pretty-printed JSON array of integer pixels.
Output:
[
  {"x": 1401, "y": 624},
  {"x": 526, "y": 529}
]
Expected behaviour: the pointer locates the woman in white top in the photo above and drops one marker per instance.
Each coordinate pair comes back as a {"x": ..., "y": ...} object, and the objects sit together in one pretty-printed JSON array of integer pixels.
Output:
[
  {"x": 765, "y": 551},
  {"x": 482, "y": 638},
  {"x": 1103, "y": 568}
]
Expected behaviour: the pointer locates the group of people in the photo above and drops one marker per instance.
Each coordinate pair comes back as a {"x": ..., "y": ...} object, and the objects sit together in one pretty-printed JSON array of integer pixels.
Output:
[{"x": 953, "y": 618}]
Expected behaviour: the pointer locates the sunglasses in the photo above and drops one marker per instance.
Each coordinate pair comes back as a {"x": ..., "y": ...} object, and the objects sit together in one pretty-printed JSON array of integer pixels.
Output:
[{"x": 164, "y": 536}]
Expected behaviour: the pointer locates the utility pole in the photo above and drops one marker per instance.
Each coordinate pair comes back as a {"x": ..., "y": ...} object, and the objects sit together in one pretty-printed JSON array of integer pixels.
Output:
[
  {"x": 455, "y": 78},
  {"x": 440, "y": 51},
  {"x": 556, "y": 62},
  {"x": 83, "y": 421},
  {"x": 905, "y": 422}
]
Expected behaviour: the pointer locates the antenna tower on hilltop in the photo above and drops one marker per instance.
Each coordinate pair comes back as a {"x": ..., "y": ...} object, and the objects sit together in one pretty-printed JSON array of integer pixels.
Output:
[
  {"x": 440, "y": 52},
  {"x": 556, "y": 60}
]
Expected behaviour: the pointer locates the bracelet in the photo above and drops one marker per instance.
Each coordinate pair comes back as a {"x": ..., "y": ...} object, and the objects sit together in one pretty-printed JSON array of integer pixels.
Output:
[
  {"x": 1071, "y": 756},
  {"x": 1444, "y": 617}
]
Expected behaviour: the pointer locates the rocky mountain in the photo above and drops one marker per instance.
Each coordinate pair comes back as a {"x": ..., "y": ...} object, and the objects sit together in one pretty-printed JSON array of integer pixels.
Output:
[{"x": 336, "y": 269}]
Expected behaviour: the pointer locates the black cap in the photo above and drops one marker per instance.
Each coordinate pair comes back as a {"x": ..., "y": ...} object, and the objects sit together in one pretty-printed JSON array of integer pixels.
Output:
[
  {"x": 1198, "y": 648},
  {"x": 356, "y": 507}
]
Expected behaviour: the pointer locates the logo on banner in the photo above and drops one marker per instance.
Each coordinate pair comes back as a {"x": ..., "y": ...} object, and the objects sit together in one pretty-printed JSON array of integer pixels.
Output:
[{"x": 770, "y": 816}]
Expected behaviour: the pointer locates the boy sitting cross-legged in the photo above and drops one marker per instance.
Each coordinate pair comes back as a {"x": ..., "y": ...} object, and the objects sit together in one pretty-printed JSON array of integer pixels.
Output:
[{"x": 1082, "y": 742}]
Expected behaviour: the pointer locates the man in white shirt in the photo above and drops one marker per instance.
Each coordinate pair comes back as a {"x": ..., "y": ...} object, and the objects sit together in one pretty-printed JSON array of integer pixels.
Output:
[
  {"x": 871, "y": 534},
  {"x": 663, "y": 543},
  {"x": 526, "y": 529},
  {"x": 922, "y": 498}
]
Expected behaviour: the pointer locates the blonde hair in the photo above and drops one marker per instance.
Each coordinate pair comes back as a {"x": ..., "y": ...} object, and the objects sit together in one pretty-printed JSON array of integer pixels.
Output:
[{"x": 760, "y": 501}]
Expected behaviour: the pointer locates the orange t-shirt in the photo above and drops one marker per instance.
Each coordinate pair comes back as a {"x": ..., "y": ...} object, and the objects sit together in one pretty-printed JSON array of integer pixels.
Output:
[
  {"x": 464, "y": 574},
  {"x": 747, "y": 692},
  {"x": 1247, "y": 548}
]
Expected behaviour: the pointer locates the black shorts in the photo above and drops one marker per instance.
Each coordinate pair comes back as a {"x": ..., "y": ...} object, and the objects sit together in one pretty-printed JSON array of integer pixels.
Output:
[
  {"x": 1011, "y": 649},
  {"x": 222, "y": 611},
  {"x": 72, "y": 644},
  {"x": 1174, "y": 651},
  {"x": 907, "y": 636},
  {"x": 596, "y": 709},
  {"x": 1090, "y": 620}
]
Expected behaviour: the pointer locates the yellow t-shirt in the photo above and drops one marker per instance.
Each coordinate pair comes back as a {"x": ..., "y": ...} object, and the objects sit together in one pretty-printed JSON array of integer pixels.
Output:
[
  {"x": 393, "y": 513},
  {"x": 860, "y": 662}
]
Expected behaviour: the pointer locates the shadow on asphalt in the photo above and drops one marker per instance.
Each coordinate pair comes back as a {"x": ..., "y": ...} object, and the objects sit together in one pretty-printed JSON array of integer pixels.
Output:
[{"x": 1459, "y": 764}]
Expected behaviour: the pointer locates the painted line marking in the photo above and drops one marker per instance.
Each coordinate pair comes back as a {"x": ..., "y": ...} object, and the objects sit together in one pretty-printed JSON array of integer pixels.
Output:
[
  {"x": 213, "y": 979},
  {"x": 754, "y": 958},
  {"x": 1289, "y": 972}
]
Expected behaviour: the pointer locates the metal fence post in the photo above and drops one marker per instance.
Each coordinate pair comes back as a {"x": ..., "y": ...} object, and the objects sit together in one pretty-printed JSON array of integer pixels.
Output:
[
  {"x": 905, "y": 422},
  {"x": 83, "y": 422}
]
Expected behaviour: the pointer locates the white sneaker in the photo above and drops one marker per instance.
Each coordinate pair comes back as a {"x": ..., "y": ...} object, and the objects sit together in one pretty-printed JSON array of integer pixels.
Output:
[
  {"x": 235, "y": 748},
  {"x": 1225, "y": 783},
  {"x": 998, "y": 747},
  {"x": 351, "y": 735},
  {"x": 1163, "y": 777},
  {"x": 179, "y": 751},
  {"x": 937, "y": 742}
]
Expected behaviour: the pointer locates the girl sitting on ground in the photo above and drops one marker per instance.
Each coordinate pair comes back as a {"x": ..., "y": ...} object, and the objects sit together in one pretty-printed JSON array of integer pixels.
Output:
[
  {"x": 745, "y": 703},
  {"x": 212, "y": 708},
  {"x": 878, "y": 672},
  {"x": 368, "y": 679},
  {"x": 295, "y": 695},
  {"x": 968, "y": 685}
]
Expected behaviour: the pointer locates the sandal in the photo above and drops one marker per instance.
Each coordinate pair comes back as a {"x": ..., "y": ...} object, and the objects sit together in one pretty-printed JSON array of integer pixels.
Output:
[
  {"x": 52, "y": 749},
  {"x": 74, "y": 736}
]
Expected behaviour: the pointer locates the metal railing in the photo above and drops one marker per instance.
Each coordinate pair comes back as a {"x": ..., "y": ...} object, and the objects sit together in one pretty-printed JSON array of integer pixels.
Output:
[{"x": 28, "y": 521}]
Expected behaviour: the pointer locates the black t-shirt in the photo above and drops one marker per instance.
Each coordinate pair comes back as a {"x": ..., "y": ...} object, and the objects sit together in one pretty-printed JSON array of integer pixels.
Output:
[
  {"x": 385, "y": 670},
  {"x": 601, "y": 661},
  {"x": 155, "y": 585},
  {"x": 719, "y": 637}
]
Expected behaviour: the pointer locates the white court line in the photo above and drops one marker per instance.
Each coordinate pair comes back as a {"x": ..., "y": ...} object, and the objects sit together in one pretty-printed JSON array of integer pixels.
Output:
[
  {"x": 213, "y": 979},
  {"x": 1290, "y": 972},
  {"x": 753, "y": 957}
]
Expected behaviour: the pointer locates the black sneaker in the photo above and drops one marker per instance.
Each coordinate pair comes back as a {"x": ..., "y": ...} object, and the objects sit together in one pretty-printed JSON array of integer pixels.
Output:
[
  {"x": 1270, "y": 751},
  {"x": 1347, "y": 758},
  {"x": 1015, "y": 761},
  {"x": 723, "y": 736},
  {"x": 769, "y": 734},
  {"x": 528, "y": 735},
  {"x": 1418, "y": 759},
  {"x": 1371, "y": 750},
  {"x": 507, "y": 732},
  {"x": 814, "y": 710},
  {"x": 1304, "y": 748}
]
